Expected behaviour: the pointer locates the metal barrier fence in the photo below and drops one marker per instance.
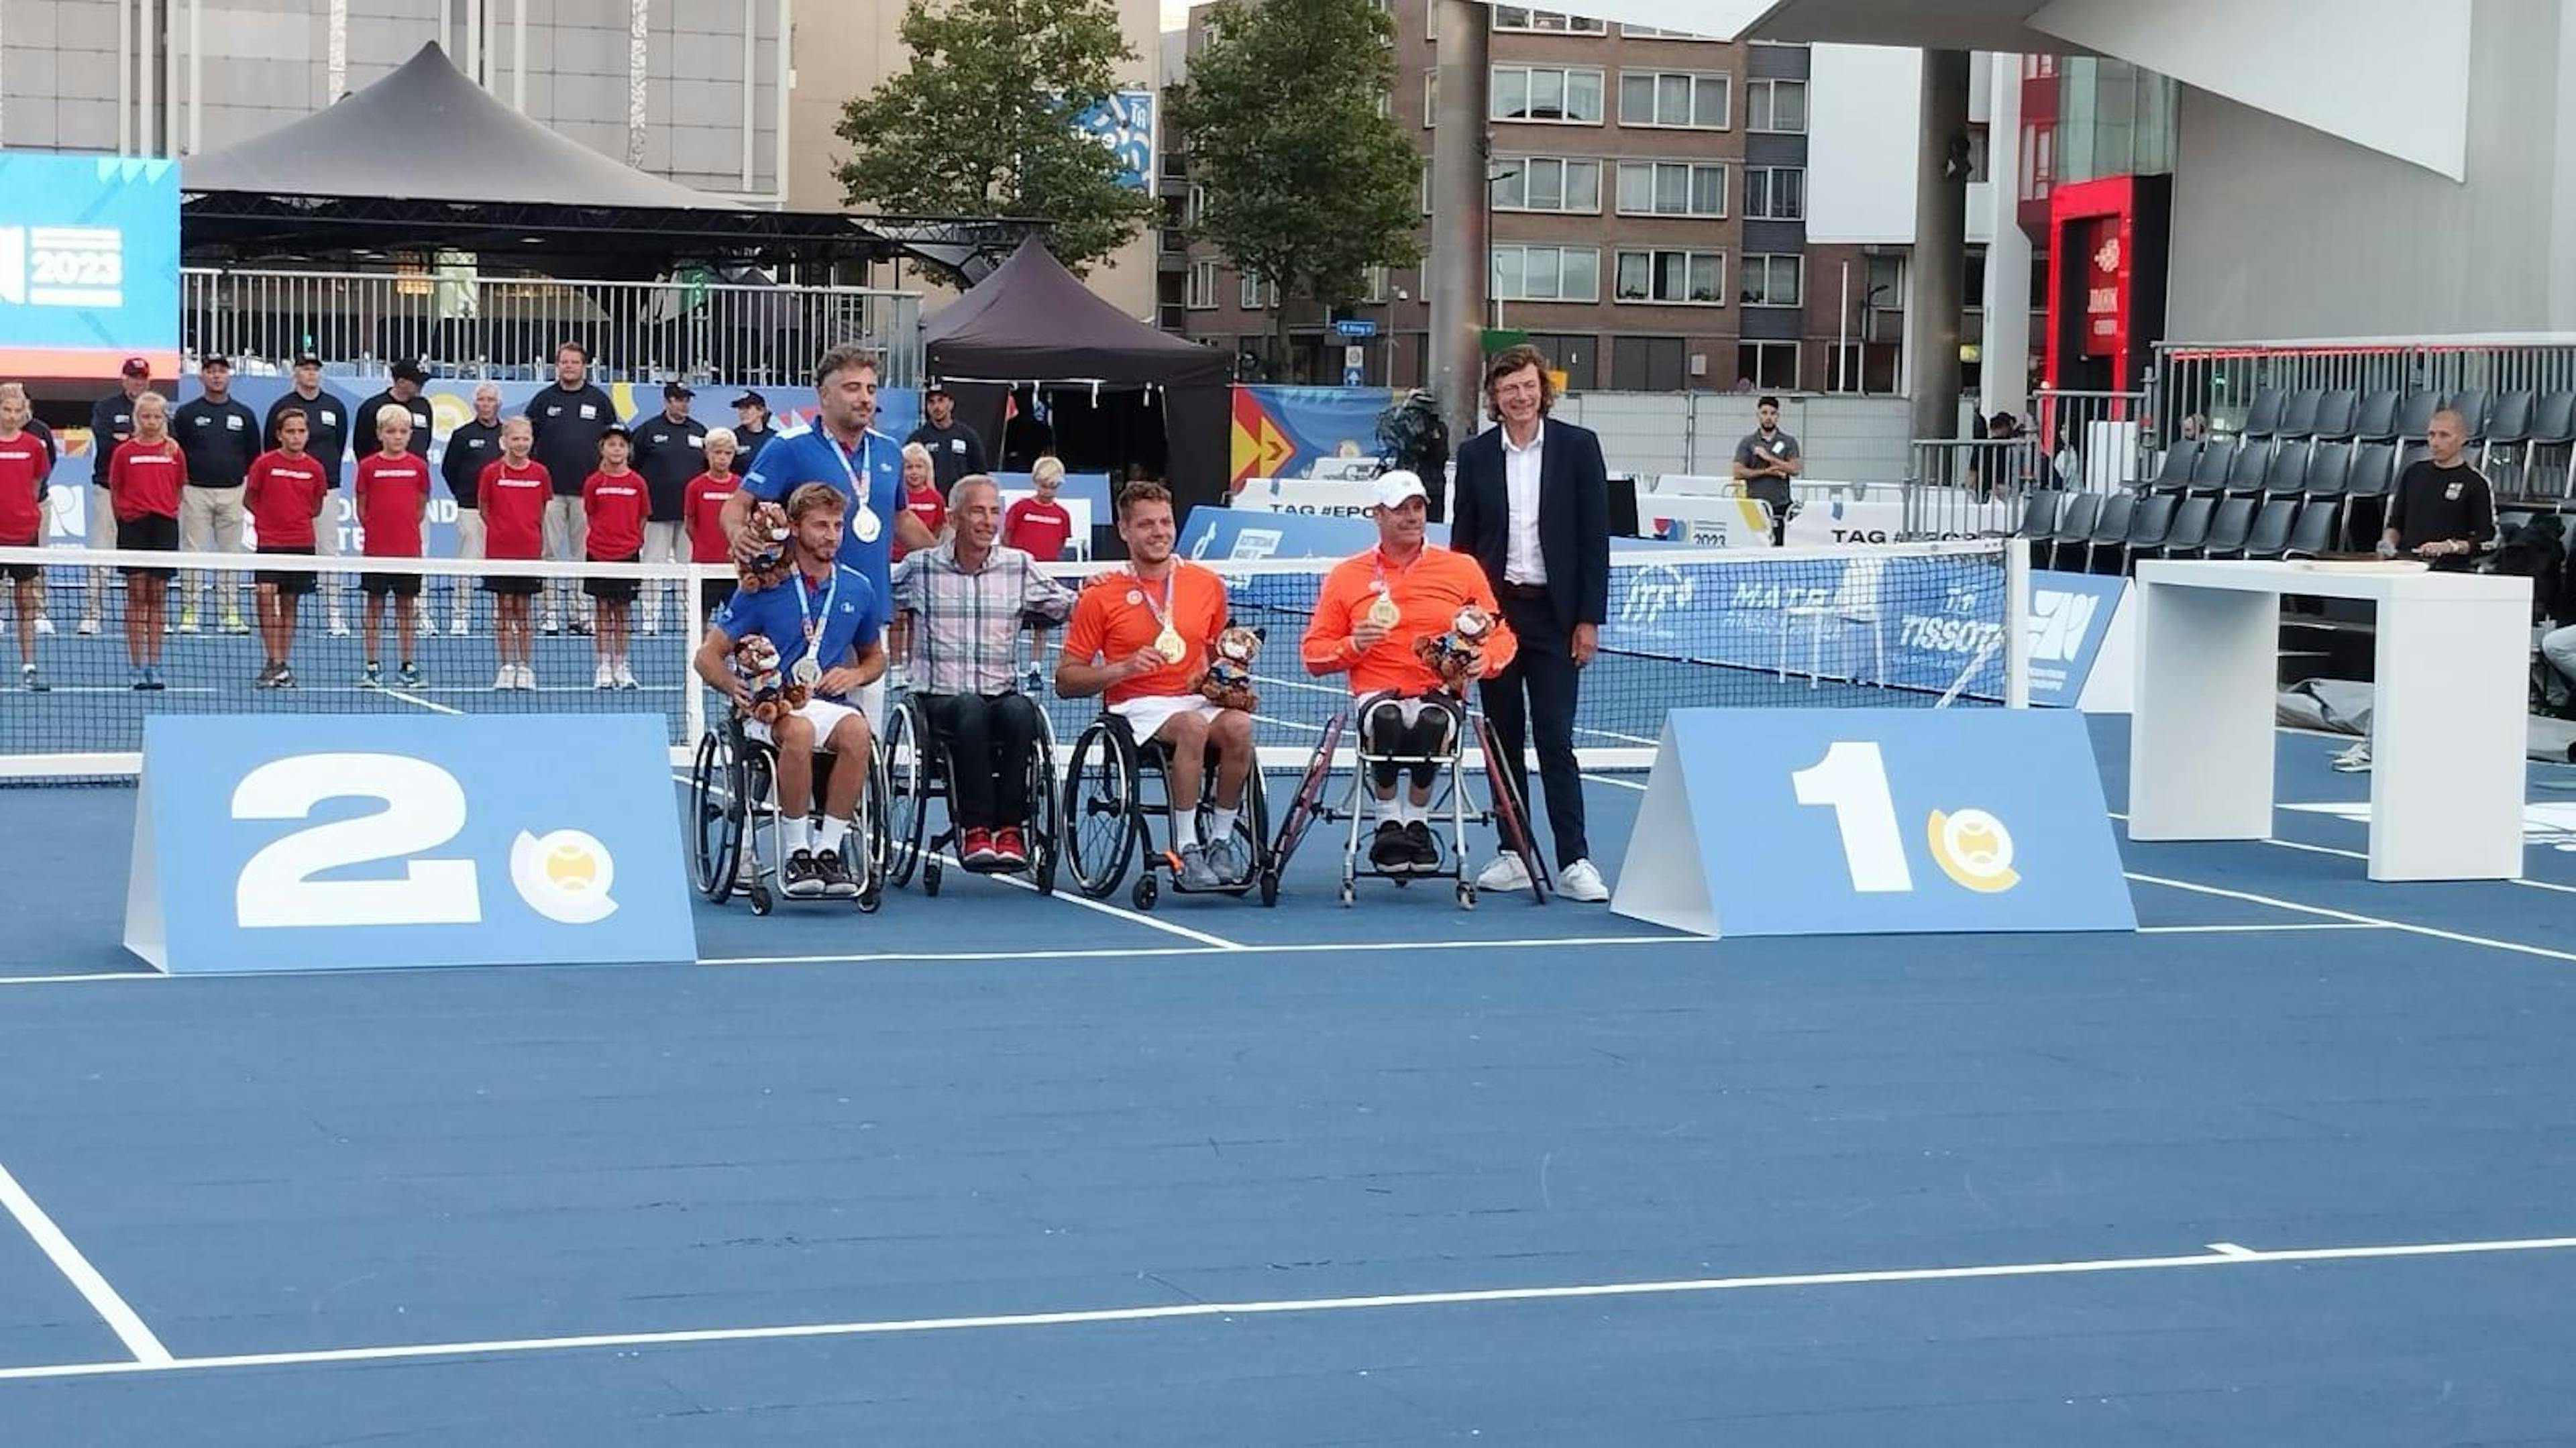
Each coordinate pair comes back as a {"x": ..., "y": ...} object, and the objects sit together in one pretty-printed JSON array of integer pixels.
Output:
[
  {"x": 474, "y": 324},
  {"x": 2095, "y": 442},
  {"x": 2212, "y": 387}
]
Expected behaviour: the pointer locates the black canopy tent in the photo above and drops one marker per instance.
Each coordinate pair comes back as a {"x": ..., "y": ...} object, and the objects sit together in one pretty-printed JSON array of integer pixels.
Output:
[{"x": 1119, "y": 391}]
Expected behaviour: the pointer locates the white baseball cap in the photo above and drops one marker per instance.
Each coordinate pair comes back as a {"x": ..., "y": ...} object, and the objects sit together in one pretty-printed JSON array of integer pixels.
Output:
[{"x": 1393, "y": 488}]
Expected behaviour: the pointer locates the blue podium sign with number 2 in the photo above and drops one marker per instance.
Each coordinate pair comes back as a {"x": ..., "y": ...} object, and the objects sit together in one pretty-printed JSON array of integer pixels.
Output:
[
  {"x": 267, "y": 844},
  {"x": 1851, "y": 821}
]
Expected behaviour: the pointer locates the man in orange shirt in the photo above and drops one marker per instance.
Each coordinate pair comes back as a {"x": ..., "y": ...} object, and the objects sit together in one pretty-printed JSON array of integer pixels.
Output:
[
  {"x": 1369, "y": 613},
  {"x": 1144, "y": 638}
]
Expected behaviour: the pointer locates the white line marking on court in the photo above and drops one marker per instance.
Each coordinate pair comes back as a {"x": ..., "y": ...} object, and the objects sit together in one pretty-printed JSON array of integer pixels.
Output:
[
  {"x": 411, "y": 698},
  {"x": 2256, "y": 929},
  {"x": 2230, "y": 1249},
  {"x": 1620, "y": 783},
  {"x": 1179, "y": 1311},
  {"x": 2306, "y": 848},
  {"x": 1304, "y": 947},
  {"x": 67, "y": 1259},
  {"x": 2428, "y": 931}
]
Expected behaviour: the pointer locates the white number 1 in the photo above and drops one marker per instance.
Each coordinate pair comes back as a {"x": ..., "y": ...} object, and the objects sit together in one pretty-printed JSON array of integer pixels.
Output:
[
  {"x": 1851, "y": 780},
  {"x": 424, "y": 808}
]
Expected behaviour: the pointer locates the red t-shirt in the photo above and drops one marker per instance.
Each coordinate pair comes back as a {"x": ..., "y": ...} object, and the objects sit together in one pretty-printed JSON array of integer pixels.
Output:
[
  {"x": 617, "y": 505},
  {"x": 285, "y": 492},
  {"x": 703, "y": 507},
  {"x": 22, "y": 481},
  {"x": 929, "y": 507},
  {"x": 512, "y": 498},
  {"x": 1038, "y": 529},
  {"x": 391, "y": 494},
  {"x": 143, "y": 479}
]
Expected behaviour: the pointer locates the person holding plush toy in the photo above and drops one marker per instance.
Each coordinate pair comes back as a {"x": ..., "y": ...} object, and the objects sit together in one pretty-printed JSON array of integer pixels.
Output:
[{"x": 1411, "y": 624}]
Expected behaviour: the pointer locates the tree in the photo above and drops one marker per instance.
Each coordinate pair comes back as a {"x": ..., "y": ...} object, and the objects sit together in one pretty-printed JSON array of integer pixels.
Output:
[
  {"x": 985, "y": 123},
  {"x": 1306, "y": 184}
]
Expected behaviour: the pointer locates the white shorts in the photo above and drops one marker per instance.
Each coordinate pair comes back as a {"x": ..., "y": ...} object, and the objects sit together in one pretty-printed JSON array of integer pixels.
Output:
[
  {"x": 824, "y": 714},
  {"x": 1147, "y": 713}
]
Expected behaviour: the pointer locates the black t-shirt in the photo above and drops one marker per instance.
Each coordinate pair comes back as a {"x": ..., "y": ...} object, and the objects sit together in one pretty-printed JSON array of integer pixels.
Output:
[
  {"x": 748, "y": 441},
  {"x": 668, "y": 454},
  {"x": 568, "y": 424},
  {"x": 955, "y": 452},
  {"x": 111, "y": 421},
  {"x": 468, "y": 448},
  {"x": 2435, "y": 504},
  {"x": 326, "y": 423},
  {"x": 424, "y": 420},
  {"x": 218, "y": 439},
  {"x": 45, "y": 435}
]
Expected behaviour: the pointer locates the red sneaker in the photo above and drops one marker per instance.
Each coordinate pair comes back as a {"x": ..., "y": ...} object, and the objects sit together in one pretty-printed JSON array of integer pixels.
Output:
[
  {"x": 975, "y": 848},
  {"x": 1010, "y": 852}
]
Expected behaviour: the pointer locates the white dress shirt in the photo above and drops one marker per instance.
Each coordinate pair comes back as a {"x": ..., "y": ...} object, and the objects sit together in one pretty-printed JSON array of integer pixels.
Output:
[{"x": 1522, "y": 560}]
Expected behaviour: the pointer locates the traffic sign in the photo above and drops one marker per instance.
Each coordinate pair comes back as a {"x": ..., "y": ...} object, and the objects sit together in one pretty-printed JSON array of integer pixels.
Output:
[{"x": 1355, "y": 327}]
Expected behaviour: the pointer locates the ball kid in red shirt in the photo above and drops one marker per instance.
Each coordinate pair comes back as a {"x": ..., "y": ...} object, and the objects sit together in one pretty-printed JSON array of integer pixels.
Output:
[
  {"x": 512, "y": 496},
  {"x": 616, "y": 502},
  {"x": 392, "y": 490}
]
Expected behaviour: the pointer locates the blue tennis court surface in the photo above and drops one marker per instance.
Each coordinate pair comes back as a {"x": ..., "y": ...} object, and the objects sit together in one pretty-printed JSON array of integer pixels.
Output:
[{"x": 2295, "y": 1164}]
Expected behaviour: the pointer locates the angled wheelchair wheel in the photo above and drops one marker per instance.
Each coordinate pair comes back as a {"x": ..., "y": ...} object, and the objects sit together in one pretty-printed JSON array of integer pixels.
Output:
[
  {"x": 1511, "y": 821},
  {"x": 1046, "y": 813},
  {"x": 715, "y": 819},
  {"x": 907, "y": 804},
  {"x": 1101, "y": 819},
  {"x": 1306, "y": 805},
  {"x": 864, "y": 850}
]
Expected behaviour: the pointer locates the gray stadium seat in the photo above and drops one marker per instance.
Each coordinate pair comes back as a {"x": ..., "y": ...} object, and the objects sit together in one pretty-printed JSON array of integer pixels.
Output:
[
  {"x": 2270, "y": 535},
  {"x": 2173, "y": 470},
  {"x": 2245, "y": 472},
  {"x": 2110, "y": 525},
  {"x": 2374, "y": 471},
  {"x": 2506, "y": 457},
  {"x": 2313, "y": 535},
  {"x": 2299, "y": 415},
  {"x": 2375, "y": 418},
  {"x": 2287, "y": 477},
  {"x": 2148, "y": 527},
  {"x": 2209, "y": 470},
  {"x": 2190, "y": 528},
  {"x": 2553, "y": 427},
  {"x": 2227, "y": 528},
  {"x": 2336, "y": 410},
  {"x": 2471, "y": 404},
  {"x": 2039, "y": 514},
  {"x": 2415, "y": 413},
  {"x": 2328, "y": 466},
  {"x": 2074, "y": 526},
  {"x": 2263, "y": 418}
]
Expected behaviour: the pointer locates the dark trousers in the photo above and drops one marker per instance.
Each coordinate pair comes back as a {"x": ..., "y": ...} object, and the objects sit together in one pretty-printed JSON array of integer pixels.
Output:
[
  {"x": 988, "y": 743},
  {"x": 1536, "y": 691}
]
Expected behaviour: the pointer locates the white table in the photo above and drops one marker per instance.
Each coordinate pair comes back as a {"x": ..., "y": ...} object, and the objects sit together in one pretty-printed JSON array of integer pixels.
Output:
[{"x": 2447, "y": 710}]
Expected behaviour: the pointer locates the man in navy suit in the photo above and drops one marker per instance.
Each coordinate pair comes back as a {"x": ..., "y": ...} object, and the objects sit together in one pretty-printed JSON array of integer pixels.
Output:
[{"x": 1532, "y": 508}]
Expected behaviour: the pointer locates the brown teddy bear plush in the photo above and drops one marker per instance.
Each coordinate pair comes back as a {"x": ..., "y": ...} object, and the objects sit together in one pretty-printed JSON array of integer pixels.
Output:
[
  {"x": 1228, "y": 681},
  {"x": 1458, "y": 655},
  {"x": 773, "y": 695},
  {"x": 768, "y": 568}
]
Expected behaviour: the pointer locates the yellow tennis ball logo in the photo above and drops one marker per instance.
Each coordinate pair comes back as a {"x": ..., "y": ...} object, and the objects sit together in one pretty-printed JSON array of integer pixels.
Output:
[
  {"x": 1974, "y": 849},
  {"x": 564, "y": 875}
]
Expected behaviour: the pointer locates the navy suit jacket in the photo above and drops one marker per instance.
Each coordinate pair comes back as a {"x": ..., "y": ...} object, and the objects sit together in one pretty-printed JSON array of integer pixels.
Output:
[{"x": 1573, "y": 516}]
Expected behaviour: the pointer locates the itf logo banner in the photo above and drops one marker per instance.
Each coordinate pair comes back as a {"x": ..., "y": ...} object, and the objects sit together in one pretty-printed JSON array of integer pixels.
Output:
[
  {"x": 2071, "y": 615},
  {"x": 1874, "y": 821},
  {"x": 328, "y": 842},
  {"x": 1124, "y": 122},
  {"x": 1280, "y": 432},
  {"x": 89, "y": 264}
]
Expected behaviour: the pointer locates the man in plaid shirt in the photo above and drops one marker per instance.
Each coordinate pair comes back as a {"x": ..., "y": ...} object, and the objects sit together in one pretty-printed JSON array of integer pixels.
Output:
[{"x": 968, "y": 597}]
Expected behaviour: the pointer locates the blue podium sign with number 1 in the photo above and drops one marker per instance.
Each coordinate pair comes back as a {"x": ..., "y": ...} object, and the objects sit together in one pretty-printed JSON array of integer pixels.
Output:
[
  {"x": 1868, "y": 821},
  {"x": 342, "y": 843}
]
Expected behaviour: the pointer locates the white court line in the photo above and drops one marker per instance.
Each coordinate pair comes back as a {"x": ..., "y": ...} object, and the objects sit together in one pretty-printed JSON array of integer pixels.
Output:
[
  {"x": 1303, "y": 947},
  {"x": 2263, "y": 929},
  {"x": 2364, "y": 855},
  {"x": 2225, "y": 1255},
  {"x": 2296, "y": 907},
  {"x": 67, "y": 1259}
]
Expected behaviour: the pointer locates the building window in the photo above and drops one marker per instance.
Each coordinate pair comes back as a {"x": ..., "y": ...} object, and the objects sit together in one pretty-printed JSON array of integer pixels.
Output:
[
  {"x": 1692, "y": 99},
  {"x": 1773, "y": 281},
  {"x": 1768, "y": 364},
  {"x": 1431, "y": 19},
  {"x": 1649, "y": 364},
  {"x": 1677, "y": 278},
  {"x": 1672, "y": 188},
  {"x": 1426, "y": 188},
  {"x": 1775, "y": 193},
  {"x": 1775, "y": 105},
  {"x": 1194, "y": 205},
  {"x": 1375, "y": 287},
  {"x": 1566, "y": 95},
  {"x": 1430, "y": 97},
  {"x": 1576, "y": 354},
  {"x": 1386, "y": 105},
  {"x": 1546, "y": 273},
  {"x": 1886, "y": 284},
  {"x": 1252, "y": 296},
  {"x": 2038, "y": 161},
  {"x": 1549, "y": 22},
  {"x": 1648, "y": 32},
  {"x": 1547, "y": 183},
  {"x": 1201, "y": 295}
]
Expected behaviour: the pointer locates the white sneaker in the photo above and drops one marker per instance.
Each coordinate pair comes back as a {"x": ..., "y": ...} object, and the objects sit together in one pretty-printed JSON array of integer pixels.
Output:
[
  {"x": 508, "y": 678},
  {"x": 1579, "y": 881},
  {"x": 527, "y": 678},
  {"x": 458, "y": 629},
  {"x": 44, "y": 627},
  {"x": 604, "y": 678},
  {"x": 88, "y": 628},
  {"x": 2355, "y": 760},
  {"x": 339, "y": 627},
  {"x": 626, "y": 678},
  {"x": 1505, "y": 872},
  {"x": 652, "y": 626},
  {"x": 427, "y": 627}
]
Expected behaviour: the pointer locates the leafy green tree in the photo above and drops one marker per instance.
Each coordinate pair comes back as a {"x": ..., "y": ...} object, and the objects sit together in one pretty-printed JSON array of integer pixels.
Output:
[
  {"x": 984, "y": 123},
  {"x": 1306, "y": 182}
]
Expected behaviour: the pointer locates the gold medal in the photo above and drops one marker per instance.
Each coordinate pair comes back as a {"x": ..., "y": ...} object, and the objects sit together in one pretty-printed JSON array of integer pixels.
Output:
[
  {"x": 1168, "y": 644},
  {"x": 1383, "y": 612}
]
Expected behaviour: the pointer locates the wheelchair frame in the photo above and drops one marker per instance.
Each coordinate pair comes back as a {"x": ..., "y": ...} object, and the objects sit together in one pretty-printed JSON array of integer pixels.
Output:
[
  {"x": 1504, "y": 812},
  {"x": 733, "y": 795},
  {"x": 1109, "y": 748},
  {"x": 919, "y": 765}
]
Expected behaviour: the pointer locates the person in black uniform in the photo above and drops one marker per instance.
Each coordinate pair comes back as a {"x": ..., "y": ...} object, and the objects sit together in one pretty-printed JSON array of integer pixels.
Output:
[
  {"x": 670, "y": 449},
  {"x": 955, "y": 450},
  {"x": 751, "y": 429},
  {"x": 2443, "y": 510},
  {"x": 111, "y": 421},
  {"x": 326, "y": 423},
  {"x": 568, "y": 420},
  {"x": 472, "y": 445},
  {"x": 405, "y": 394},
  {"x": 219, "y": 437}
]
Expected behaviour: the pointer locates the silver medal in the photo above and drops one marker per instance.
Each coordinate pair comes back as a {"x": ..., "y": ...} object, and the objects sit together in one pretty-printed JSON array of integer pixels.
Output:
[
  {"x": 864, "y": 524},
  {"x": 807, "y": 672}
]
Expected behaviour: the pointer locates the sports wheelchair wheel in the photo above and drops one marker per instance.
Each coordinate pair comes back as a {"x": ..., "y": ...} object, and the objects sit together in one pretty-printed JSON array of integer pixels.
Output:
[
  {"x": 1100, "y": 822},
  {"x": 1511, "y": 821},
  {"x": 1046, "y": 811},
  {"x": 906, "y": 800},
  {"x": 716, "y": 817},
  {"x": 865, "y": 848},
  {"x": 1306, "y": 806}
]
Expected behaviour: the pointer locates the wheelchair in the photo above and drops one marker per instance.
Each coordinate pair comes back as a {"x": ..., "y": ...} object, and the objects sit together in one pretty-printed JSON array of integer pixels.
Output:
[
  {"x": 1313, "y": 803},
  {"x": 918, "y": 769},
  {"x": 733, "y": 803},
  {"x": 1107, "y": 817}
]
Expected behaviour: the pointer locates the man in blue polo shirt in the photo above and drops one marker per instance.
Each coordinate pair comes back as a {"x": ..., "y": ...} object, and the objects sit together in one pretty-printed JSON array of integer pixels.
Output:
[
  {"x": 841, "y": 448},
  {"x": 826, "y": 621}
]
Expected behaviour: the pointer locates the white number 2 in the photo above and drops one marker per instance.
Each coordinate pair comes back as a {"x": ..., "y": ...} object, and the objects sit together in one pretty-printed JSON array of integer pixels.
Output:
[
  {"x": 1852, "y": 781},
  {"x": 424, "y": 808}
]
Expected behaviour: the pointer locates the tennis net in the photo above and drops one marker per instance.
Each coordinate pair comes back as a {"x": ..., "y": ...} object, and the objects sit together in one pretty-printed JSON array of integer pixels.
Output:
[{"x": 1909, "y": 626}]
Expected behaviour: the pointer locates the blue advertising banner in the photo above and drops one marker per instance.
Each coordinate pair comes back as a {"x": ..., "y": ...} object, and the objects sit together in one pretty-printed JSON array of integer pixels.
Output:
[
  {"x": 1124, "y": 122},
  {"x": 275, "y": 843},
  {"x": 2070, "y": 617},
  {"x": 1279, "y": 432},
  {"x": 1874, "y": 821},
  {"x": 89, "y": 264}
]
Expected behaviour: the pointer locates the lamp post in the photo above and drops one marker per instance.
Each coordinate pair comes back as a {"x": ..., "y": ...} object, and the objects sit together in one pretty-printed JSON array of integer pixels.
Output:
[{"x": 1492, "y": 175}]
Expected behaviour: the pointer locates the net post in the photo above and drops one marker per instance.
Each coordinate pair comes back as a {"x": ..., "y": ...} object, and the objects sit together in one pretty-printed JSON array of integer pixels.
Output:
[
  {"x": 693, "y": 692},
  {"x": 2016, "y": 623}
]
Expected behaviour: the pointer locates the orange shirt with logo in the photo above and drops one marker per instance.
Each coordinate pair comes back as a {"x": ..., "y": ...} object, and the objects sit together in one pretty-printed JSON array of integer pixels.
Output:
[
  {"x": 1114, "y": 618},
  {"x": 1428, "y": 594}
]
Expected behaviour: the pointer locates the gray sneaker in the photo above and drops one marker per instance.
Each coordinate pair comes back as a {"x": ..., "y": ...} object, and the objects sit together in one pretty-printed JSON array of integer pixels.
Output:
[
  {"x": 1198, "y": 872},
  {"x": 1227, "y": 858}
]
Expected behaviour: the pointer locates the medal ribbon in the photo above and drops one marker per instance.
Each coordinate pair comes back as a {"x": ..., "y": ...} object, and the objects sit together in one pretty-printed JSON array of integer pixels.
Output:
[{"x": 812, "y": 620}]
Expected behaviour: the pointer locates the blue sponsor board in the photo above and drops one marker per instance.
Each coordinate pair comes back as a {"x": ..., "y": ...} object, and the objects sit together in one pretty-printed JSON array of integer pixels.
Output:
[
  {"x": 2070, "y": 617},
  {"x": 1124, "y": 122},
  {"x": 89, "y": 264}
]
